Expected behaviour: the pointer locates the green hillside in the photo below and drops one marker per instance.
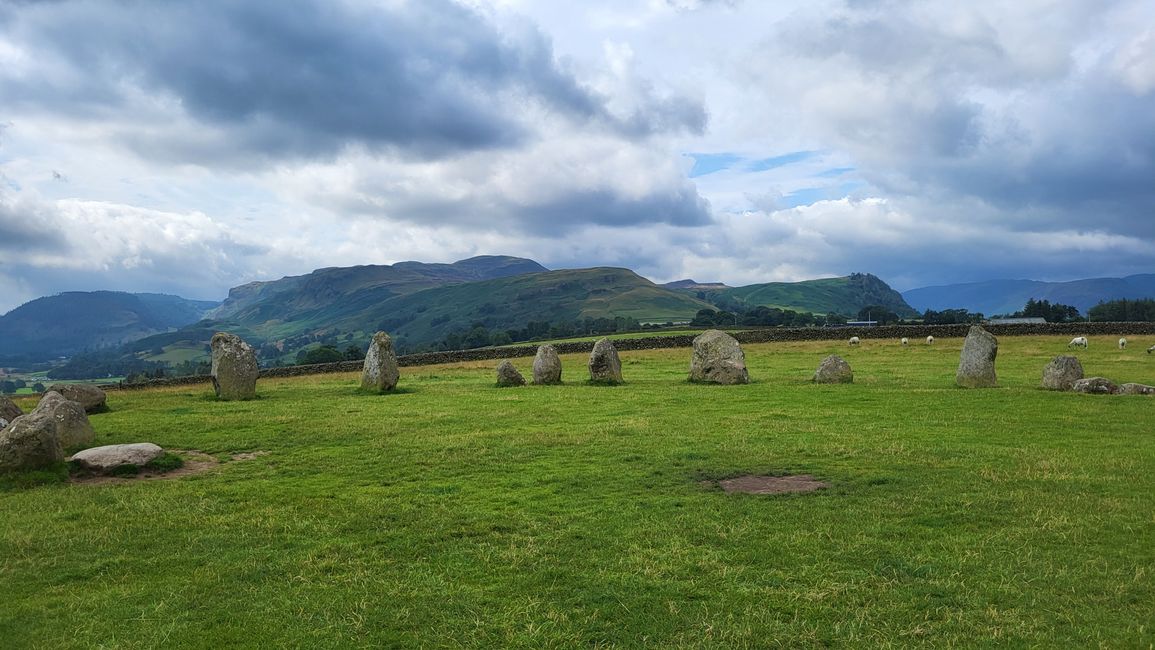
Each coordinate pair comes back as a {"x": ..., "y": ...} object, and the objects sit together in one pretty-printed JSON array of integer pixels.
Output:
[{"x": 845, "y": 295}]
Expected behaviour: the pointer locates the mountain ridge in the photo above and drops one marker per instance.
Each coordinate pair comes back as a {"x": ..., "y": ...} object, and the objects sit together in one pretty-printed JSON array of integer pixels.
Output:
[{"x": 991, "y": 297}]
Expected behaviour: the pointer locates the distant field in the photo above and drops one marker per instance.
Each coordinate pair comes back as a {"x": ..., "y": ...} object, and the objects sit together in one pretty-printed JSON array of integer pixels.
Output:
[{"x": 456, "y": 514}]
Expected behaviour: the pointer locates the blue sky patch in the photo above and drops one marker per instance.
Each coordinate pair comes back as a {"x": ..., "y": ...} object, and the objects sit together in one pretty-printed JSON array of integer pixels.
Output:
[
  {"x": 708, "y": 163},
  {"x": 780, "y": 161}
]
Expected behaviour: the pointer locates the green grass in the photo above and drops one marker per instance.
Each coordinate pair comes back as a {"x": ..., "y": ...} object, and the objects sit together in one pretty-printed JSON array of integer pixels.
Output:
[{"x": 455, "y": 514}]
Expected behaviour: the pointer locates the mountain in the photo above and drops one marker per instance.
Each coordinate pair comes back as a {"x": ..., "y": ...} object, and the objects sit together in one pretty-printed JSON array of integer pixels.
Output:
[
  {"x": 1008, "y": 296},
  {"x": 290, "y": 298},
  {"x": 695, "y": 285},
  {"x": 75, "y": 321},
  {"x": 845, "y": 295}
]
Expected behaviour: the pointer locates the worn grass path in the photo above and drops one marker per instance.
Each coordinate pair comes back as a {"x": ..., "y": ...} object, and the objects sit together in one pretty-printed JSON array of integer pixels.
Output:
[{"x": 455, "y": 514}]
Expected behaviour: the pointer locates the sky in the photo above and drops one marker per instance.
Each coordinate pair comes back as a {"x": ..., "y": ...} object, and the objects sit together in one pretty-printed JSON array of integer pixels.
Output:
[{"x": 191, "y": 147}]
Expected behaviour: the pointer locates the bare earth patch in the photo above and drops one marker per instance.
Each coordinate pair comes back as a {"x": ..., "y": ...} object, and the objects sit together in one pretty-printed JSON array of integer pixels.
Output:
[
  {"x": 772, "y": 484},
  {"x": 195, "y": 462}
]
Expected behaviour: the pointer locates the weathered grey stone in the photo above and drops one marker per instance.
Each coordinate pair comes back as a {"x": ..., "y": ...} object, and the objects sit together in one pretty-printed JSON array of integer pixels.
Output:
[
  {"x": 605, "y": 366},
  {"x": 833, "y": 370},
  {"x": 380, "y": 372},
  {"x": 8, "y": 411},
  {"x": 1095, "y": 385},
  {"x": 976, "y": 366},
  {"x": 234, "y": 368},
  {"x": 717, "y": 358},
  {"x": 1136, "y": 389},
  {"x": 108, "y": 457},
  {"x": 69, "y": 420},
  {"x": 507, "y": 375},
  {"x": 38, "y": 439},
  {"x": 90, "y": 397},
  {"x": 30, "y": 442},
  {"x": 1062, "y": 373},
  {"x": 546, "y": 365}
]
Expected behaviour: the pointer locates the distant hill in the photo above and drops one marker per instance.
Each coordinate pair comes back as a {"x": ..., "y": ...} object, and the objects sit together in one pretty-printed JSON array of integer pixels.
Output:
[
  {"x": 1008, "y": 296},
  {"x": 693, "y": 284},
  {"x": 845, "y": 295},
  {"x": 75, "y": 321}
]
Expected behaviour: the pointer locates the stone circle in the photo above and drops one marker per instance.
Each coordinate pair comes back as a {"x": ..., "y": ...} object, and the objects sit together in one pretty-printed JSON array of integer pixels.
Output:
[
  {"x": 92, "y": 398},
  {"x": 833, "y": 370},
  {"x": 109, "y": 457},
  {"x": 546, "y": 365},
  {"x": 976, "y": 368},
  {"x": 605, "y": 366},
  {"x": 1062, "y": 373},
  {"x": 508, "y": 376},
  {"x": 1095, "y": 386}
]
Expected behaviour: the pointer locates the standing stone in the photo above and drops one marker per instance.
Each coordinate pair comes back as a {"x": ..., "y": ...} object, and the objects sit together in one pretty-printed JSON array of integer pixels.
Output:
[
  {"x": 380, "y": 372},
  {"x": 605, "y": 366},
  {"x": 718, "y": 359},
  {"x": 234, "y": 369},
  {"x": 69, "y": 420},
  {"x": 109, "y": 457},
  {"x": 1136, "y": 389},
  {"x": 90, "y": 397},
  {"x": 546, "y": 365},
  {"x": 8, "y": 411},
  {"x": 507, "y": 375},
  {"x": 1095, "y": 386},
  {"x": 833, "y": 370},
  {"x": 976, "y": 367},
  {"x": 1062, "y": 373}
]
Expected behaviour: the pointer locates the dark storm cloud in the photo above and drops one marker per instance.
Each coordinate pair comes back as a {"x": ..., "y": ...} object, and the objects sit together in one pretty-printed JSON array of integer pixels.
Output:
[
  {"x": 25, "y": 229},
  {"x": 306, "y": 78}
]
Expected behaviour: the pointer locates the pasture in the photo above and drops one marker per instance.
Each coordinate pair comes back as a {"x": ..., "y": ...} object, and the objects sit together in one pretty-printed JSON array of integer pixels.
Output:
[{"x": 455, "y": 514}]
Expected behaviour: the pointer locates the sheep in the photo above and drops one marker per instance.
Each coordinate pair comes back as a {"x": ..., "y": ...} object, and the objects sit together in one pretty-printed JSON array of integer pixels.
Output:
[
  {"x": 905, "y": 340},
  {"x": 930, "y": 340},
  {"x": 1123, "y": 343},
  {"x": 854, "y": 340},
  {"x": 1151, "y": 349},
  {"x": 1078, "y": 342}
]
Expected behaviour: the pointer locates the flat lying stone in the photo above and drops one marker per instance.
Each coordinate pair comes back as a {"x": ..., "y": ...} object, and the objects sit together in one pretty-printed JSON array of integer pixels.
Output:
[
  {"x": 1136, "y": 389},
  {"x": 1095, "y": 385},
  {"x": 103, "y": 459}
]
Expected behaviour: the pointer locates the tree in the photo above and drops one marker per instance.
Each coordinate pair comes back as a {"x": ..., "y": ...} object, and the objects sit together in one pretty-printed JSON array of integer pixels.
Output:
[
  {"x": 323, "y": 354},
  {"x": 38, "y": 387},
  {"x": 8, "y": 387},
  {"x": 878, "y": 313}
]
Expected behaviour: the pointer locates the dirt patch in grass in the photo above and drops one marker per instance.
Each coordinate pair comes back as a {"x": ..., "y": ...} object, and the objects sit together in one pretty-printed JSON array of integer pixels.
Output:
[
  {"x": 772, "y": 484},
  {"x": 195, "y": 462}
]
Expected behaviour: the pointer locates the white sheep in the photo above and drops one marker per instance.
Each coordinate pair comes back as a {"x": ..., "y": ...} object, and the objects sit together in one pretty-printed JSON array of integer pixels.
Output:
[
  {"x": 854, "y": 340},
  {"x": 930, "y": 340},
  {"x": 1078, "y": 342},
  {"x": 1123, "y": 343},
  {"x": 905, "y": 340},
  {"x": 1151, "y": 349}
]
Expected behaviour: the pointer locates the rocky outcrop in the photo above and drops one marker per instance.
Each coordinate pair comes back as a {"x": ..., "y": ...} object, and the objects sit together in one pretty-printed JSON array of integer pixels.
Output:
[
  {"x": 976, "y": 367},
  {"x": 1062, "y": 373},
  {"x": 546, "y": 365},
  {"x": 110, "y": 457},
  {"x": 717, "y": 358},
  {"x": 1095, "y": 386},
  {"x": 508, "y": 376},
  {"x": 90, "y": 397},
  {"x": 234, "y": 369},
  {"x": 833, "y": 370},
  {"x": 605, "y": 366},
  {"x": 380, "y": 372}
]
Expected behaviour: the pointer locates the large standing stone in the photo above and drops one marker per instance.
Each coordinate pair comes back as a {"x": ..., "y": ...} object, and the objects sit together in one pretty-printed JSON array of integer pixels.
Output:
[
  {"x": 69, "y": 419},
  {"x": 380, "y": 372},
  {"x": 833, "y": 370},
  {"x": 718, "y": 359},
  {"x": 38, "y": 439},
  {"x": 1096, "y": 386},
  {"x": 546, "y": 365},
  {"x": 507, "y": 375},
  {"x": 1062, "y": 373},
  {"x": 234, "y": 369},
  {"x": 108, "y": 457},
  {"x": 8, "y": 411},
  {"x": 976, "y": 366},
  {"x": 90, "y": 397},
  {"x": 605, "y": 366},
  {"x": 1136, "y": 389}
]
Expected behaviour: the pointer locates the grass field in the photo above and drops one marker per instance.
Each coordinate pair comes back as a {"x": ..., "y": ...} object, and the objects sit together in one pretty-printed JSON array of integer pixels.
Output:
[{"x": 455, "y": 514}]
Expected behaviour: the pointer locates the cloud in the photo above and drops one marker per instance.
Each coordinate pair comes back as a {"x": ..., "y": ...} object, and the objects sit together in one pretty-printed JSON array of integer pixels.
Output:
[{"x": 218, "y": 79}]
